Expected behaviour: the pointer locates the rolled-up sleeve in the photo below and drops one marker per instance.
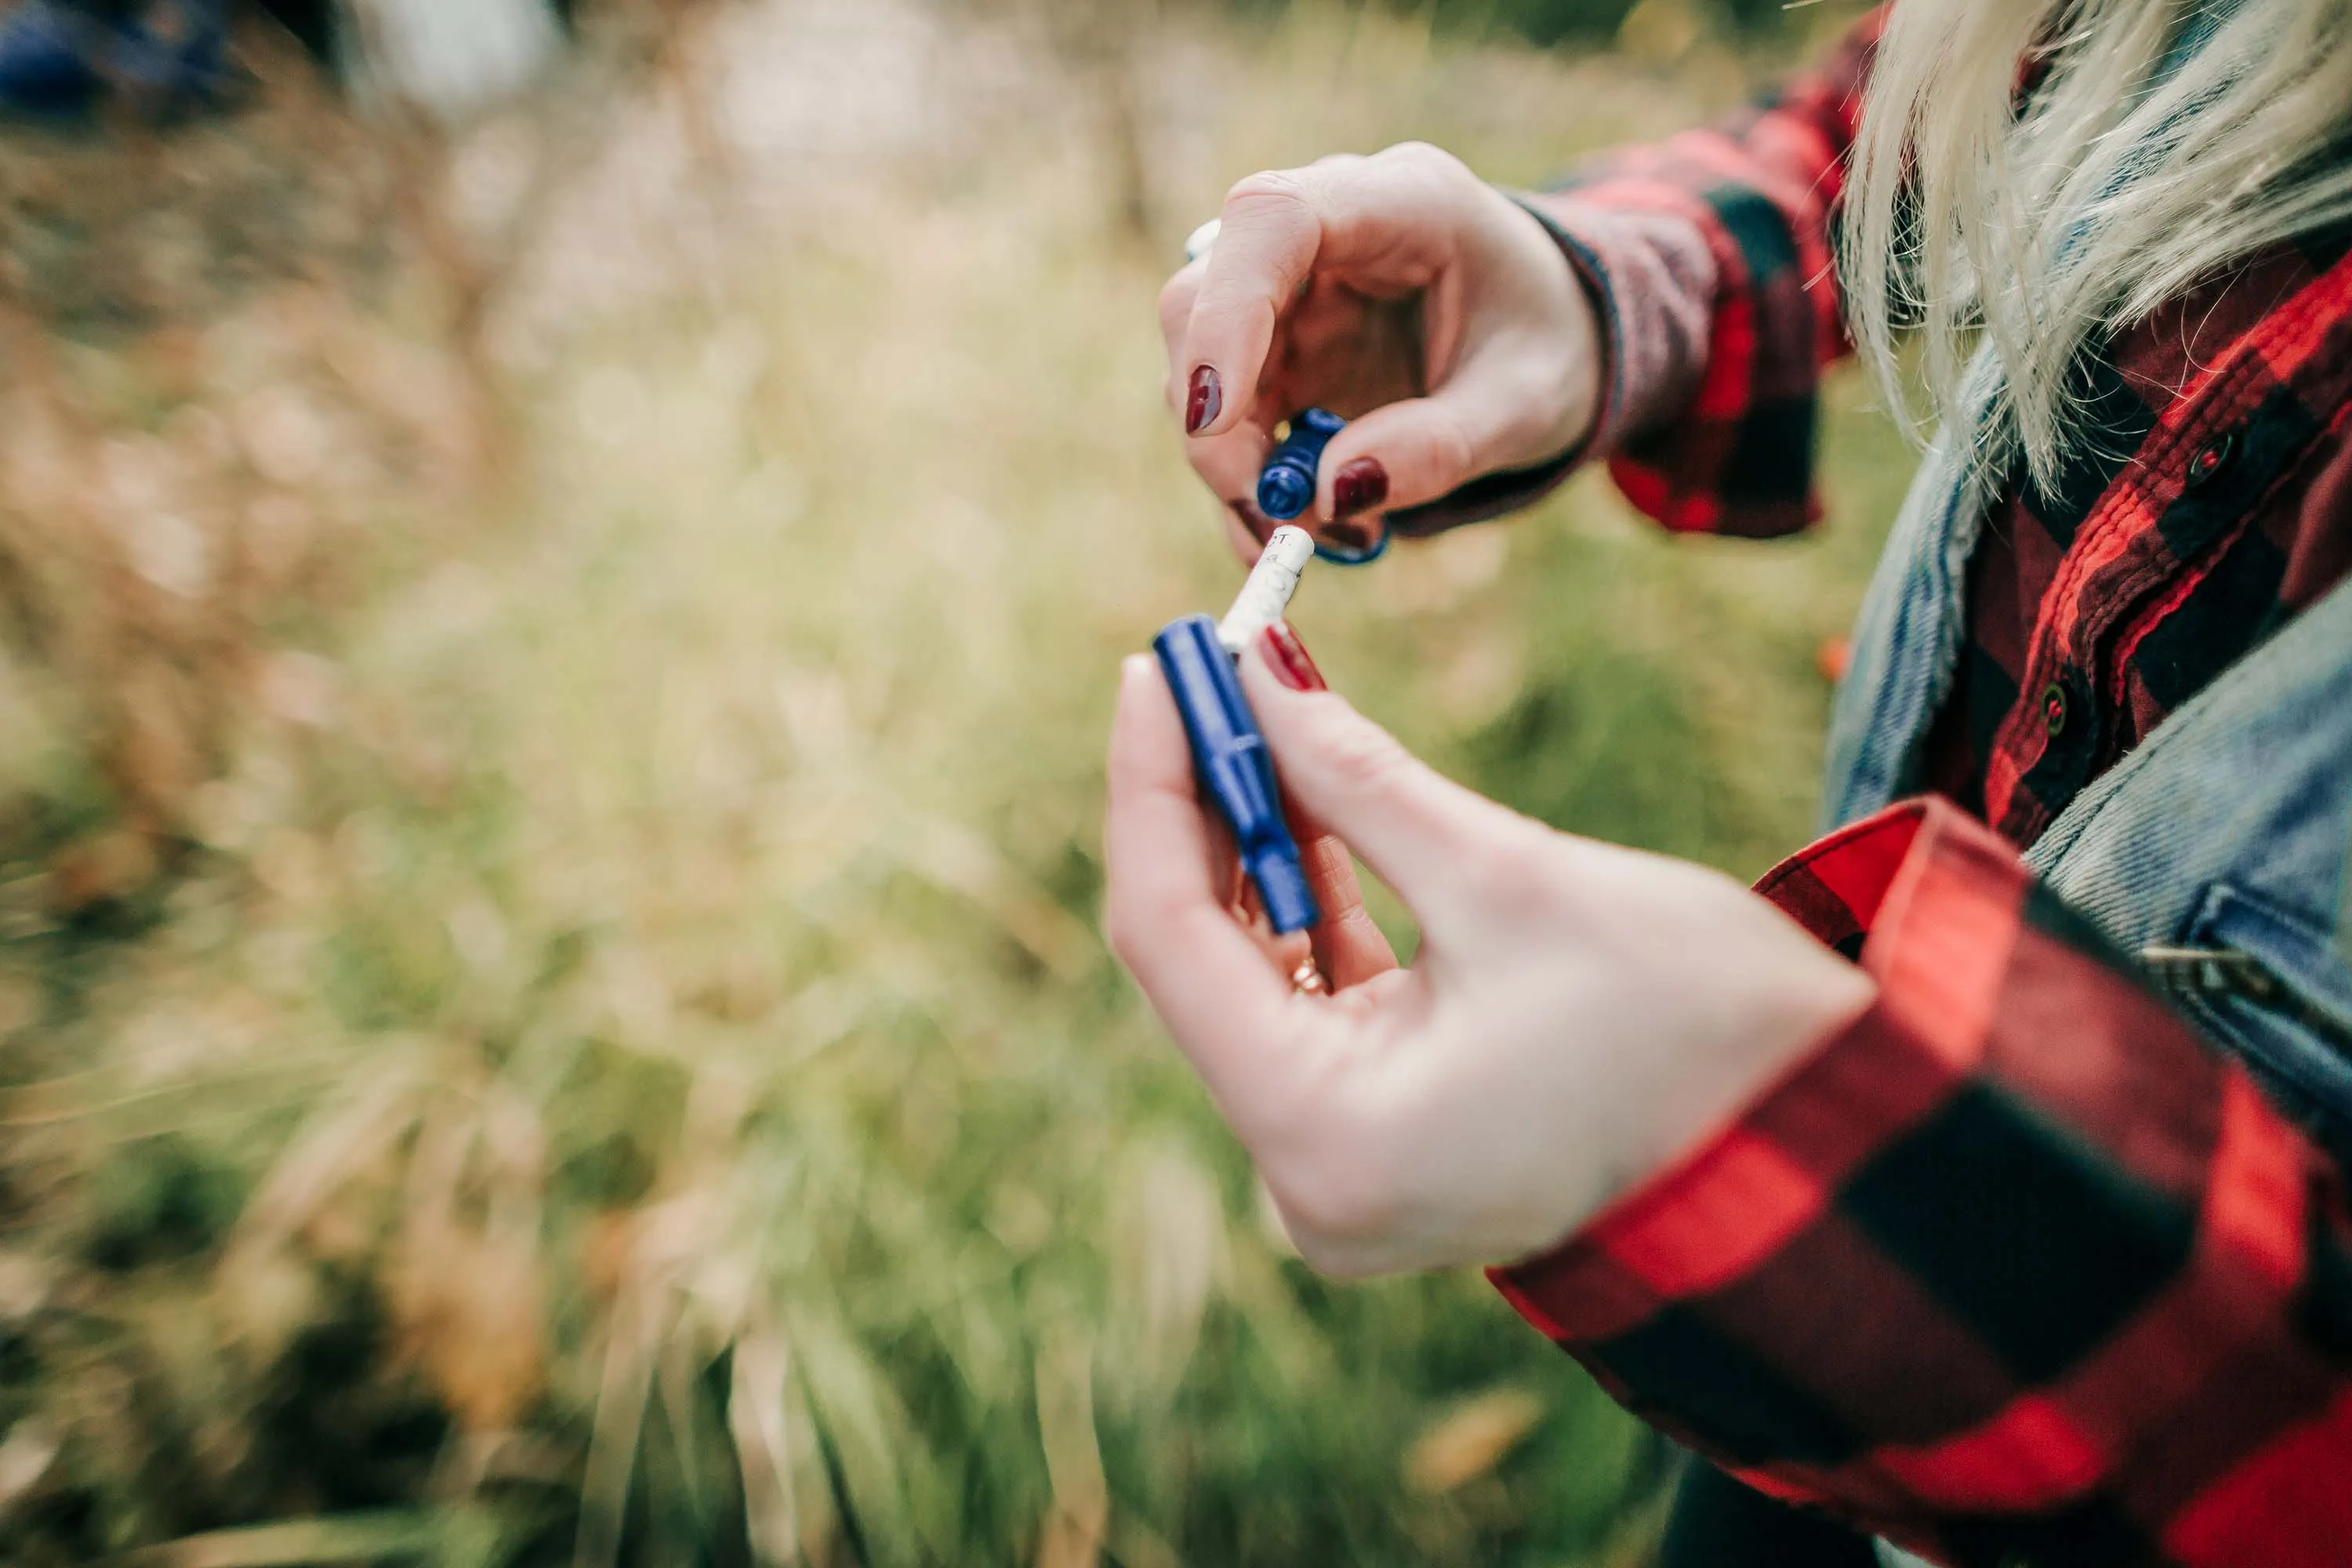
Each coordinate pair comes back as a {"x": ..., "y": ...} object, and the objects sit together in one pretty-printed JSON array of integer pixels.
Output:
[
  {"x": 1709, "y": 259},
  {"x": 2016, "y": 1268}
]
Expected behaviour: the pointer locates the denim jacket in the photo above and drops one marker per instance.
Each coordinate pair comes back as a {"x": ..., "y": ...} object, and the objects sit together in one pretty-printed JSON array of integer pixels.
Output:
[{"x": 2216, "y": 851}]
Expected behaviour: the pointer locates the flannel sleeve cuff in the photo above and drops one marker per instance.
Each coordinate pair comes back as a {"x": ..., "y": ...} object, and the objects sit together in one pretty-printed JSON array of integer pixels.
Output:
[
  {"x": 1730, "y": 1202},
  {"x": 2013, "y": 1261},
  {"x": 1707, "y": 257},
  {"x": 1650, "y": 278},
  {"x": 1711, "y": 357}
]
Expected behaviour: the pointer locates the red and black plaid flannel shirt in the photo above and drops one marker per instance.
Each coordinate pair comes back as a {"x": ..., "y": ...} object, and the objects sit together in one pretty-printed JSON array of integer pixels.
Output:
[{"x": 2018, "y": 1268}]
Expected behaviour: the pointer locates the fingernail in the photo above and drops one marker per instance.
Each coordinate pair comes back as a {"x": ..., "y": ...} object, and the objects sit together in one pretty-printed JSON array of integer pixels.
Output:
[
  {"x": 1354, "y": 538},
  {"x": 1261, "y": 527},
  {"x": 1287, "y": 659},
  {"x": 1208, "y": 397},
  {"x": 1361, "y": 486}
]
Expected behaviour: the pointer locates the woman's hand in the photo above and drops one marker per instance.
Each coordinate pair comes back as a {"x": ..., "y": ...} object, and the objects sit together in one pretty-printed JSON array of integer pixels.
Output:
[
  {"x": 1402, "y": 291},
  {"x": 1576, "y": 1016}
]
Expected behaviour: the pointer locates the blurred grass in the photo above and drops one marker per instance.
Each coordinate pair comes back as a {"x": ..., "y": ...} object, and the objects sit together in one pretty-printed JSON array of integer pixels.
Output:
[{"x": 626, "y": 1068}]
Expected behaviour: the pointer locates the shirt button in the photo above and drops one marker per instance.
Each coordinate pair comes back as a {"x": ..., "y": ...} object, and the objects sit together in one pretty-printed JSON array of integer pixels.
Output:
[
  {"x": 2054, "y": 709},
  {"x": 2211, "y": 459}
]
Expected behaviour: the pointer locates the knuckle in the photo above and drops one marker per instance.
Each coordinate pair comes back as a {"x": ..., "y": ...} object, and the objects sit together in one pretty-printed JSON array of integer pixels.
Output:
[
  {"x": 1268, "y": 187},
  {"x": 1425, "y": 158}
]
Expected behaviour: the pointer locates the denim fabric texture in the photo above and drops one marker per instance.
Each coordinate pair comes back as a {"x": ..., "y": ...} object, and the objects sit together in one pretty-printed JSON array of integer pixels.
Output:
[
  {"x": 1906, "y": 643},
  {"x": 2217, "y": 850}
]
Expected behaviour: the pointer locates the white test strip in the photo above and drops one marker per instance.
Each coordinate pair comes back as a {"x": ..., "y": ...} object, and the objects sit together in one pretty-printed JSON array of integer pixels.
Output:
[{"x": 1267, "y": 594}]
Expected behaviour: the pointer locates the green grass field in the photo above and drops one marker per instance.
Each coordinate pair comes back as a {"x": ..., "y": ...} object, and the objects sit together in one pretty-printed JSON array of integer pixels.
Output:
[{"x": 631, "y": 1070}]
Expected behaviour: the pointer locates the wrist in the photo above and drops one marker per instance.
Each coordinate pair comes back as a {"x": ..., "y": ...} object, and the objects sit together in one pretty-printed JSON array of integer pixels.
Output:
[
  {"x": 1764, "y": 998},
  {"x": 1581, "y": 355}
]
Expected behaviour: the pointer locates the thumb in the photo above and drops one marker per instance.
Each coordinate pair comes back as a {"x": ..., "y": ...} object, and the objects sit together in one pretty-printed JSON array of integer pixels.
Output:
[
  {"x": 1507, "y": 406},
  {"x": 1420, "y": 832}
]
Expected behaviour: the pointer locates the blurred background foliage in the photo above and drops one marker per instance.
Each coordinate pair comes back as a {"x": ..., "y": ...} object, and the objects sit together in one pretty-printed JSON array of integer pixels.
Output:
[
  {"x": 1547, "y": 23},
  {"x": 555, "y": 672}
]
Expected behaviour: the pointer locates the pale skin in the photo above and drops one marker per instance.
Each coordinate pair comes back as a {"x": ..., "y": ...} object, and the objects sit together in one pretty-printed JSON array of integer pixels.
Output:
[
  {"x": 1578, "y": 1015},
  {"x": 1400, "y": 291}
]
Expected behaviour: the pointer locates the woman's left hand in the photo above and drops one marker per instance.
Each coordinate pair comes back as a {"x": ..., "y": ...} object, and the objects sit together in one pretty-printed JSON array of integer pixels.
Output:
[{"x": 1576, "y": 1016}]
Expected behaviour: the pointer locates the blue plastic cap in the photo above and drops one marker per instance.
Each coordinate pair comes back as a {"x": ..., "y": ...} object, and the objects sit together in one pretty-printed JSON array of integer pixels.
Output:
[
  {"x": 1235, "y": 770},
  {"x": 1284, "y": 491},
  {"x": 1286, "y": 486}
]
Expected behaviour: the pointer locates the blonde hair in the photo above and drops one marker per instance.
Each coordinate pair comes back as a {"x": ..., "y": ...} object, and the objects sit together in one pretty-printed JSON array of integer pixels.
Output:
[{"x": 2035, "y": 173}]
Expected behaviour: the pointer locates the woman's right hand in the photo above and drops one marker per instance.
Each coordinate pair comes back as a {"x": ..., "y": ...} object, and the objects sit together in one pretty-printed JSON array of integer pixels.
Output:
[
  {"x": 1402, "y": 291},
  {"x": 1576, "y": 1016}
]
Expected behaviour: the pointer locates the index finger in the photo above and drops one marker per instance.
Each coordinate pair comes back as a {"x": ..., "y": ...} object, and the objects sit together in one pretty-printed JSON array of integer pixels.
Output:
[
  {"x": 1271, "y": 230},
  {"x": 1244, "y": 1032},
  {"x": 1382, "y": 221}
]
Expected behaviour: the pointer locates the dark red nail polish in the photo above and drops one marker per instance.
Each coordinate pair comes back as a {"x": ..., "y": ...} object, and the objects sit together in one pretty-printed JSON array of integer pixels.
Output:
[
  {"x": 1361, "y": 486},
  {"x": 1261, "y": 528},
  {"x": 1352, "y": 537},
  {"x": 1287, "y": 656},
  {"x": 1207, "y": 398}
]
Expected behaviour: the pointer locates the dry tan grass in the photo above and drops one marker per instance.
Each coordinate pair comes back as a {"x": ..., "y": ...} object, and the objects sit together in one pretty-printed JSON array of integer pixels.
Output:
[{"x": 622, "y": 1068}]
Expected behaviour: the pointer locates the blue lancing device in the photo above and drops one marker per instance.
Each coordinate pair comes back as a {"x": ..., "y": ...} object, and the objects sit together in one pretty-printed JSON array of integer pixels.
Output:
[
  {"x": 1235, "y": 770},
  {"x": 1286, "y": 486}
]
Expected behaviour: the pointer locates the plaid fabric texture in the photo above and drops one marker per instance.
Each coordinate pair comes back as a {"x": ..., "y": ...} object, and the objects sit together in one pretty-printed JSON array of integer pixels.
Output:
[
  {"x": 1707, "y": 257},
  {"x": 2209, "y": 509},
  {"x": 1710, "y": 425},
  {"x": 2015, "y": 1270}
]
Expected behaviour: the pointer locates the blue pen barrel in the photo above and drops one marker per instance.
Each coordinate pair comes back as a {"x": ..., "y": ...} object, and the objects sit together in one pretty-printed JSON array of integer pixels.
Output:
[{"x": 1235, "y": 770}]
